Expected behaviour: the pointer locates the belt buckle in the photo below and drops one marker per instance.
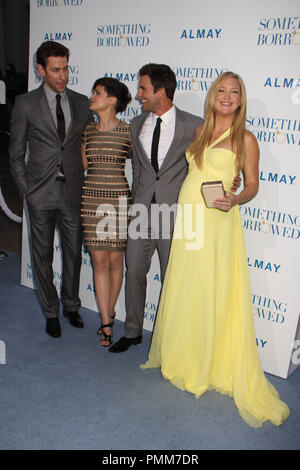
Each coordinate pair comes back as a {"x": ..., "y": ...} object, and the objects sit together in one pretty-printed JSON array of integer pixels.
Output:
[{"x": 60, "y": 178}]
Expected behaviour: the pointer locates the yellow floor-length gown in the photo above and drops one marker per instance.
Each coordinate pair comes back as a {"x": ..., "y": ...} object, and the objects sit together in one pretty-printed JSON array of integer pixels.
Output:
[{"x": 204, "y": 336}]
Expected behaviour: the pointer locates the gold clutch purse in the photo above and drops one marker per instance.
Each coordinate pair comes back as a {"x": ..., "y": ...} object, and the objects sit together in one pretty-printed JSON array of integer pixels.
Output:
[{"x": 212, "y": 190}]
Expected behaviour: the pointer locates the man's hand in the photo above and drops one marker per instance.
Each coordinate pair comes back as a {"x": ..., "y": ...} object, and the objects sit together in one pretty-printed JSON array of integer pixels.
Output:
[{"x": 236, "y": 183}]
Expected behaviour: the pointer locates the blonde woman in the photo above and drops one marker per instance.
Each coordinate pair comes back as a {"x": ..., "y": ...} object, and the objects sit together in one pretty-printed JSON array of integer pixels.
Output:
[{"x": 204, "y": 336}]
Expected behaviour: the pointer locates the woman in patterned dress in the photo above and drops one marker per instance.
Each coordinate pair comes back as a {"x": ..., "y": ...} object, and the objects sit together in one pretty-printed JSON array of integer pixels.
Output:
[{"x": 106, "y": 195}]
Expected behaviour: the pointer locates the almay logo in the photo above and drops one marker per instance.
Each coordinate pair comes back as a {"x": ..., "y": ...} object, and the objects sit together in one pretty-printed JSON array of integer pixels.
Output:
[{"x": 211, "y": 33}]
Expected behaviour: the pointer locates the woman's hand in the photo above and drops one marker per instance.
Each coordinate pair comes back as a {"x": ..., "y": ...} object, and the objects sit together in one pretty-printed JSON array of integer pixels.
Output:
[
  {"x": 226, "y": 203},
  {"x": 251, "y": 177}
]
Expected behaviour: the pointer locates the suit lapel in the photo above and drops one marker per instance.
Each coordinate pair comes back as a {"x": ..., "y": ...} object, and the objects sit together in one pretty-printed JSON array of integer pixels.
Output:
[
  {"x": 140, "y": 149},
  {"x": 46, "y": 113},
  {"x": 72, "y": 105},
  {"x": 179, "y": 130}
]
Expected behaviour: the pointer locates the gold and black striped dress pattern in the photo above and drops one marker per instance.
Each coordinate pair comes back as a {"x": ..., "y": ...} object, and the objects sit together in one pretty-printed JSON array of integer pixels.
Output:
[{"x": 106, "y": 196}]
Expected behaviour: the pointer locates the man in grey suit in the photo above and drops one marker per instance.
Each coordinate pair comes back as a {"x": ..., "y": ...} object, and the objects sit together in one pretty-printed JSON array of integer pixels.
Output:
[
  {"x": 50, "y": 120},
  {"x": 159, "y": 168}
]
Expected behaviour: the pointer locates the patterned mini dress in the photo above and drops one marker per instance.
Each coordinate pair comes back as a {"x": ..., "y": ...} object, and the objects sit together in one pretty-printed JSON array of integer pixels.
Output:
[{"x": 106, "y": 196}]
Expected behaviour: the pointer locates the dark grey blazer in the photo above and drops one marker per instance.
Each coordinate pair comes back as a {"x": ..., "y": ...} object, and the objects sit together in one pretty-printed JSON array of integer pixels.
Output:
[
  {"x": 32, "y": 122},
  {"x": 167, "y": 182}
]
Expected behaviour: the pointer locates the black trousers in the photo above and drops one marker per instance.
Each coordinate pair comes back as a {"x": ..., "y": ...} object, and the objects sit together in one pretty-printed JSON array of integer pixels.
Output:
[{"x": 56, "y": 212}]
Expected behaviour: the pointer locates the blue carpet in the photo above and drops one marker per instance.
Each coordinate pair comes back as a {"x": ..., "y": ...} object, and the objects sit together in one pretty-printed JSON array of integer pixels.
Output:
[{"x": 70, "y": 393}]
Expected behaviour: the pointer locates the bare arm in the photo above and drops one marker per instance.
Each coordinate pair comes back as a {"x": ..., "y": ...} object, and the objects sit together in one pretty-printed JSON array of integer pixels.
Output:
[
  {"x": 251, "y": 177},
  {"x": 197, "y": 130}
]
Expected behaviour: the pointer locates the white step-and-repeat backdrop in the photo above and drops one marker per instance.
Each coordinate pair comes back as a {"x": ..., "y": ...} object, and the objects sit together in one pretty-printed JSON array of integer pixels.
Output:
[{"x": 199, "y": 40}]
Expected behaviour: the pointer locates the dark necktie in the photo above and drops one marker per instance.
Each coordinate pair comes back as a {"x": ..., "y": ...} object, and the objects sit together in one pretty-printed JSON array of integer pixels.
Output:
[
  {"x": 60, "y": 119},
  {"x": 61, "y": 127},
  {"x": 154, "y": 146}
]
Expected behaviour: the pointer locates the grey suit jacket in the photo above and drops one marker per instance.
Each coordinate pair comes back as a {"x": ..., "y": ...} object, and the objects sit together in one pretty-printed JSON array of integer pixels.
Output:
[
  {"x": 32, "y": 123},
  {"x": 167, "y": 182}
]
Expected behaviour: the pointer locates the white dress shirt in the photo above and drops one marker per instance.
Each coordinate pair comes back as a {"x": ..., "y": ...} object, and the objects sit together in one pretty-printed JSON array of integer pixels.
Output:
[{"x": 167, "y": 131}]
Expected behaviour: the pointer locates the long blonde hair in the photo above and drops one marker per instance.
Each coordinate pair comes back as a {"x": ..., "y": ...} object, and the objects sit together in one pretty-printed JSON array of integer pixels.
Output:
[{"x": 202, "y": 139}]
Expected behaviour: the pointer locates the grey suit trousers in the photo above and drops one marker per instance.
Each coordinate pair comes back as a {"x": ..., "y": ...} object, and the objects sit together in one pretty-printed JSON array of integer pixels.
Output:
[
  {"x": 57, "y": 211},
  {"x": 139, "y": 253}
]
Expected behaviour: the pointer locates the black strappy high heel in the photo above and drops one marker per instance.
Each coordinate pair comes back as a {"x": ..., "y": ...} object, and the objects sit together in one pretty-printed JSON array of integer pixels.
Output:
[
  {"x": 99, "y": 332},
  {"x": 104, "y": 336}
]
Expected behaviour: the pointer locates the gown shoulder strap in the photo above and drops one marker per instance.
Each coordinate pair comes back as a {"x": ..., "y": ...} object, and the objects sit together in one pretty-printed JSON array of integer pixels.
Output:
[{"x": 222, "y": 137}]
